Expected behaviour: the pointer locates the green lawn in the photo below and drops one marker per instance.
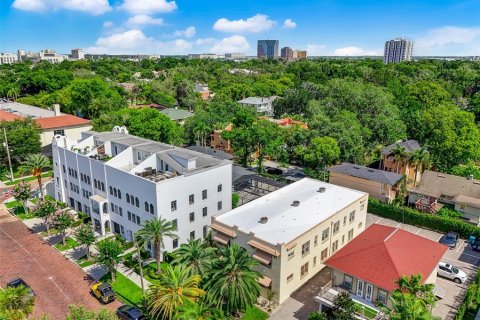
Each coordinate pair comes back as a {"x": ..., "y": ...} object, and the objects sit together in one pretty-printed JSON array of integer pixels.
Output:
[
  {"x": 253, "y": 313},
  {"x": 18, "y": 210},
  {"x": 84, "y": 262},
  {"x": 13, "y": 204},
  {"x": 50, "y": 232},
  {"x": 369, "y": 313},
  {"x": 69, "y": 244},
  {"x": 126, "y": 290}
]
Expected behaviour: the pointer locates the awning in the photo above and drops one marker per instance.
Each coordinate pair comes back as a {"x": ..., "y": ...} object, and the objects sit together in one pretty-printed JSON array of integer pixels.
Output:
[
  {"x": 290, "y": 246},
  {"x": 263, "y": 247},
  {"x": 263, "y": 257},
  {"x": 222, "y": 238},
  {"x": 265, "y": 281},
  {"x": 224, "y": 230}
]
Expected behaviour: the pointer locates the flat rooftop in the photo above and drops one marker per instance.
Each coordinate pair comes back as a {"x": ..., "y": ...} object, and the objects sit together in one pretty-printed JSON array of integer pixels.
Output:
[
  {"x": 25, "y": 110},
  {"x": 285, "y": 221}
]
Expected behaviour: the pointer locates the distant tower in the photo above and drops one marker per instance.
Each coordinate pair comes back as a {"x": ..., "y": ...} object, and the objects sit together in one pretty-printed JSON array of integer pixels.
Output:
[
  {"x": 77, "y": 54},
  {"x": 267, "y": 49},
  {"x": 398, "y": 50},
  {"x": 287, "y": 53}
]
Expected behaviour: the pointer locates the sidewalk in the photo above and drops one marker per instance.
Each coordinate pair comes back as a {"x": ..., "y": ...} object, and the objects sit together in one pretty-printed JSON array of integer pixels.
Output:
[{"x": 132, "y": 275}]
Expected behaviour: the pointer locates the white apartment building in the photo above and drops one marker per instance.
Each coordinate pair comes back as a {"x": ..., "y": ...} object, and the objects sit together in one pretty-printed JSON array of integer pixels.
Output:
[
  {"x": 77, "y": 54},
  {"x": 121, "y": 181},
  {"x": 398, "y": 50},
  {"x": 263, "y": 105},
  {"x": 293, "y": 231},
  {"x": 8, "y": 58}
]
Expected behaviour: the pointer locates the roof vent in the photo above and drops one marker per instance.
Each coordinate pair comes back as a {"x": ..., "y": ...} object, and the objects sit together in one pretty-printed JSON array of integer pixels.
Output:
[
  {"x": 263, "y": 220},
  {"x": 321, "y": 190},
  {"x": 295, "y": 203}
]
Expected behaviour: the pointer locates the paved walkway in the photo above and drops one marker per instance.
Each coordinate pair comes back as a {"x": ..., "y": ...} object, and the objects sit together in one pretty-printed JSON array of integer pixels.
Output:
[{"x": 132, "y": 275}]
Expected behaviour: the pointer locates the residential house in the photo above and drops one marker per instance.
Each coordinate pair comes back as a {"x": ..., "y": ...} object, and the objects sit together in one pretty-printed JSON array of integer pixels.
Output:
[
  {"x": 263, "y": 105},
  {"x": 436, "y": 190},
  {"x": 293, "y": 230},
  {"x": 286, "y": 122},
  {"x": 121, "y": 181},
  {"x": 379, "y": 184},
  {"x": 219, "y": 143},
  {"x": 203, "y": 90},
  {"x": 404, "y": 166},
  {"x": 368, "y": 267},
  {"x": 177, "y": 115}
]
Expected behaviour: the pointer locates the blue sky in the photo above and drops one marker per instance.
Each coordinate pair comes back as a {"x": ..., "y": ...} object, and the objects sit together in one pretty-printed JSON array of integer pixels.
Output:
[{"x": 323, "y": 27}]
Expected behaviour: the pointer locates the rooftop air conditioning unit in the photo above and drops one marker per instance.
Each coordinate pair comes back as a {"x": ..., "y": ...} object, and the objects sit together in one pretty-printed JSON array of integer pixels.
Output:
[
  {"x": 295, "y": 203},
  {"x": 263, "y": 220},
  {"x": 322, "y": 189}
]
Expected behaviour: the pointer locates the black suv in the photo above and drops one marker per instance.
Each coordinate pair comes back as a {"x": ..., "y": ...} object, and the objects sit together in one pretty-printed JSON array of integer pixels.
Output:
[{"x": 129, "y": 313}]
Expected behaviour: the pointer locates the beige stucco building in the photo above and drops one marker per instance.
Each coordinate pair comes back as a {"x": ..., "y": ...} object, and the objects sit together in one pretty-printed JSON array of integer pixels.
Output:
[
  {"x": 379, "y": 184},
  {"x": 404, "y": 166},
  {"x": 293, "y": 230}
]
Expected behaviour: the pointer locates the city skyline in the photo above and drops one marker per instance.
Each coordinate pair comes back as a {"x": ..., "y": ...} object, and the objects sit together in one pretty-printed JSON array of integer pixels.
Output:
[{"x": 341, "y": 28}]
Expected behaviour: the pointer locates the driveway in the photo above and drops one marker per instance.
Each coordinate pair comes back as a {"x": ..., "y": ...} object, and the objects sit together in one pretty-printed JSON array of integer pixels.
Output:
[
  {"x": 56, "y": 281},
  {"x": 301, "y": 303}
]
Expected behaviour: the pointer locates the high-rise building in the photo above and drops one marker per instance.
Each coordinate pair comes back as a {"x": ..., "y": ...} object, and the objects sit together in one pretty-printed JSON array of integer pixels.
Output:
[
  {"x": 398, "y": 50},
  {"x": 287, "y": 53},
  {"x": 267, "y": 49},
  {"x": 77, "y": 54},
  {"x": 299, "y": 54}
]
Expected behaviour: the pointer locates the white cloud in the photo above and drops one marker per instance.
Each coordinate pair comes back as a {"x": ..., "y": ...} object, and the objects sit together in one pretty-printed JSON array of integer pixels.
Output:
[
  {"x": 235, "y": 43},
  {"x": 95, "y": 7},
  {"x": 134, "y": 41},
  {"x": 188, "y": 32},
  {"x": 289, "y": 24},
  {"x": 148, "y": 6},
  {"x": 108, "y": 24},
  {"x": 142, "y": 20},
  {"x": 315, "y": 49},
  {"x": 448, "y": 40},
  {"x": 257, "y": 23},
  {"x": 205, "y": 41},
  {"x": 356, "y": 51}
]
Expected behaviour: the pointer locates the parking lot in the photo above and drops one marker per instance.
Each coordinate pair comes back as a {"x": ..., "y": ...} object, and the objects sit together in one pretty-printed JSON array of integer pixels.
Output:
[{"x": 462, "y": 257}]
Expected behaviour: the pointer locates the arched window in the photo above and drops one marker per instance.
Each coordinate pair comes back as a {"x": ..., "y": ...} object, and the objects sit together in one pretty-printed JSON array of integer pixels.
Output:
[
  {"x": 111, "y": 190},
  {"x": 119, "y": 194},
  {"x": 146, "y": 206},
  {"x": 104, "y": 206},
  {"x": 137, "y": 202},
  {"x": 152, "y": 211},
  {"x": 132, "y": 200},
  {"x": 115, "y": 192},
  {"x": 103, "y": 187}
]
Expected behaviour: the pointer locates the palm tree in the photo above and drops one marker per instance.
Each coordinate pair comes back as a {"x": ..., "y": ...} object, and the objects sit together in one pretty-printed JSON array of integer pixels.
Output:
[
  {"x": 399, "y": 154},
  {"x": 196, "y": 255},
  {"x": 176, "y": 287},
  {"x": 406, "y": 306},
  {"x": 232, "y": 282},
  {"x": 34, "y": 164},
  {"x": 198, "y": 311},
  {"x": 155, "y": 231},
  {"x": 109, "y": 251},
  {"x": 16, "y": 303},
  {"x": 419, "y": 159},
  {"x": 12, "y": 93},
  {"x": 413, "y": 285}
]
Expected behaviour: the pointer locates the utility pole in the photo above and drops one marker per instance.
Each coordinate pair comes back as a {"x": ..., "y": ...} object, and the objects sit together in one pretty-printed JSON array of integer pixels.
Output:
[{"x": 8, "y": 154}]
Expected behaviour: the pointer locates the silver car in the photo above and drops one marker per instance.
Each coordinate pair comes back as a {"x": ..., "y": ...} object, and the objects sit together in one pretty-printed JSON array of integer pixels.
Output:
[{"x": 446, "y": 270}]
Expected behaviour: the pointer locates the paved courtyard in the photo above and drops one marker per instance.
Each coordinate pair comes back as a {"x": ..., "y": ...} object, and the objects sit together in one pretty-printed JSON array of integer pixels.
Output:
[
  {"x": 56, "y": 281},
  {"x": 301, "y": 303}
]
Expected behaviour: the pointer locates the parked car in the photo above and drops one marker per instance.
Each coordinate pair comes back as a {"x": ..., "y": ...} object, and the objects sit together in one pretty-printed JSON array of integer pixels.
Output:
[
  {"x": 475, "y": 244},
  {"x": 274, "y": 171},
  {"x": 20, "y": 282},
  {"x": 126, "y": 312},
  {"x": 450, "y": 239},
  {"x": 103, "y": 292},
  {"x": 448, "y": 271}
]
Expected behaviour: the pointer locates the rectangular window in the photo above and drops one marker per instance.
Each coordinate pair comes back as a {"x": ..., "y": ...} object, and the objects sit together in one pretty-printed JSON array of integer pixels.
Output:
[
  {"x": 362, "y": 207},
  {"x": 290, "y": 277},
  {"x": 219, "y": 188},
  {"x": 129, "y": 216},
  {"x": 138, "y": 220},
  {"x": 219, "y": 205},
  {"x": 192, "y": 235},
  {"x": 173, "y": 205},
  {"x": 191, "y": 199},
  {"x": 315, "y": 241},
  {"x": 175, "y": 243},
  {"x": 336, "y": 227},
  {"x": 382, "y": 296},
  {"x": 174, "y": 223},
  {"x": 360, "y": 225},
  {"x": 348, "y": 282},
  {"x": 352, "y": 216},
  {"x": 192, "y": 216},
  {"x": 343, "y": 239},
  {"x": 205, "y": 231},
  {"x": 291, "y": 255},
  {"x": 344, "y": 220},
  {"x": 325, "y": 235},
  {"x": 305, "y": 248},
  {"x": 350, "y": 234},
  {"x": 335, "y": 246},
  {"x": 204, "y": 194},
  {"x": 314, "y": 261},
  {"x": 324, "y": 254},
  {"x": 304, "y": 270},
  {"x": 204, "y": 211}
]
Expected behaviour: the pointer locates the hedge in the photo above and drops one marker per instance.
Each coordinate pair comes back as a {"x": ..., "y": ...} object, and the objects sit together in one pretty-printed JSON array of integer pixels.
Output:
[
  {"x": 422, "y": 219},
  {"x": 471, "y": 301}
]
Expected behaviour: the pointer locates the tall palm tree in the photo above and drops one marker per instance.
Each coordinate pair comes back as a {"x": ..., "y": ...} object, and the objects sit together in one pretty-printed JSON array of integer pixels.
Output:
[
  {"x": 405, "y": 306},
  {"x": 16, "y": 303},
  {"x": 34, "y": 164},
  {"x": 155, "y": 231},
  {"x": 413, "y": 285},
  {"x": 232, "y": 283},
  {"x": 195, "y": 255},
  {"x": 399, "y": 154},
  {"x": 419, "y": 159},
  {"x": 176, "y": 287}
]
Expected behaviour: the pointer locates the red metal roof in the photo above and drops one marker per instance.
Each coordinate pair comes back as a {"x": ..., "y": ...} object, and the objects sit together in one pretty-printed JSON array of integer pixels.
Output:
[
  {"x": 66, "y": 120},
  {"x": 381, "y": 254},
  {"x": 8, "y": 116}
]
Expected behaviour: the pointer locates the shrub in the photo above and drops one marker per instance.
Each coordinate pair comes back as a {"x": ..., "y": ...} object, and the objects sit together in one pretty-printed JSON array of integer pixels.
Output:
[
  {"x": 421, "y": 219},
  {"x": 471, "y": 301}
]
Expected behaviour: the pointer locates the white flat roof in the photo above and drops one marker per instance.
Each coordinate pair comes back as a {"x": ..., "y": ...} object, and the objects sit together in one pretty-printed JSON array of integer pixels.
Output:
[{"x": 285, "y": 221}]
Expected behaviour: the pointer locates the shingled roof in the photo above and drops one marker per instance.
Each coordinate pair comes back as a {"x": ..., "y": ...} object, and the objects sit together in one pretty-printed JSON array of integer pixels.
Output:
[
  {"x": 409, "y": 145},
  {"x": 355, "y": 170}
]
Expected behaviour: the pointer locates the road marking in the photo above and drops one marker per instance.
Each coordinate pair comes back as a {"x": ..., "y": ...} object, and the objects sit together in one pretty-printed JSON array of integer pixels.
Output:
[
  {"x": 36, "y": 261},
  {"x": 379, "y": 220},
  {"x": 419, "y": 229},
  {"x": 460, "y": 247},
  {"x": 398, "y": 225},
  {"x": 439, "y": 238}
]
